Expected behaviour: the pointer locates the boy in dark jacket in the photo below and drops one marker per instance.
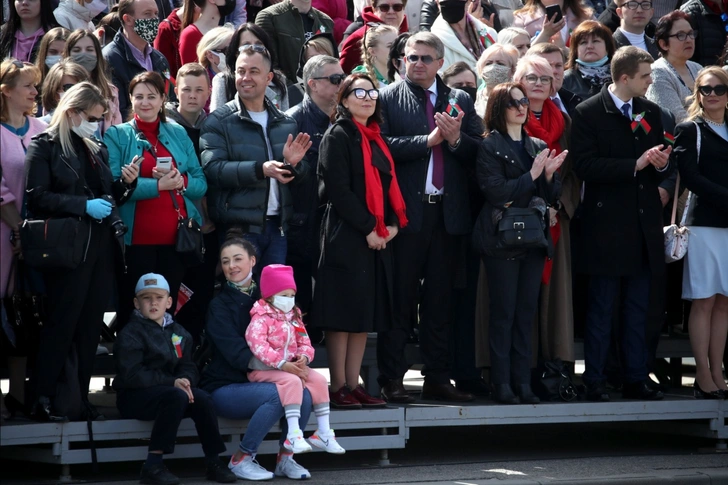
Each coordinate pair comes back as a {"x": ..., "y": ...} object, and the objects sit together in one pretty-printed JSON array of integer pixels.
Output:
[{"x": 156, "y": 381}]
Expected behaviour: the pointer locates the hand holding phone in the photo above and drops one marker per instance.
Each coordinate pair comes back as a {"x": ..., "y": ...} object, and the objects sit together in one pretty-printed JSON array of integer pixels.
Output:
[
  {"x": 553, "y": 13},
  {"x": 137, "y": 161},
  {"x": 164, "y": 164}
]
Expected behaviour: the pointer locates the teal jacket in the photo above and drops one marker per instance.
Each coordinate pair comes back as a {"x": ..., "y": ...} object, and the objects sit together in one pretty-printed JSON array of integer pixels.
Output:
[{"x": 124, "y": 145}]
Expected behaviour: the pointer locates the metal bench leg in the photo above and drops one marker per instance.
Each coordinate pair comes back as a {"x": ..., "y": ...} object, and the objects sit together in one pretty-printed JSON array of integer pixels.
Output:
[
  {"x": 65, "y": 474},
  {"x": 384, "y": 454}
]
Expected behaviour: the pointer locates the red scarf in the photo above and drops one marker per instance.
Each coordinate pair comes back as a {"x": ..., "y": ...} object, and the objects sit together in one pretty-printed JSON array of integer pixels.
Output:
[{"x": 373, "y": 183}]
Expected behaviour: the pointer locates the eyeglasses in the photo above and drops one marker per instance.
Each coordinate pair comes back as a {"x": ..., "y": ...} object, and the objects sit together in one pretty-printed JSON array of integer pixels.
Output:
[
  {"x": 19, "y": 65},
  {"x": 681, "y": 36},
  {"x": 361, "y": 93},
  {"x": 719, "y": 90},
  {"x": 255, "y": 48},
  {"x": 532, "y": 79},
  {"x": 66, "y": 87},
  {"x": 91, "y": 119},
  {"x": 334, "y": 79},
  {"x": 426, "y": 59},
  {"x": 397, "y": 7},
  {"x": 517, "y": 103},
  {"x": 633, "y": 5}
]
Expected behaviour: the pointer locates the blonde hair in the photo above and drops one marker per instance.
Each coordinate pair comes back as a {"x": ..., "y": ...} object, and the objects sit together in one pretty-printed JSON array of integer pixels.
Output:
[
  {"x": 508, "y": 35},
  {"x": 370, "y": 40},
  {"x": 212, "y": 40},
  {"x": 537, "y": 64},
  {"x": 10, "y": 72},
  {"x": 322, "y": 45},
  {"x": 81, "y": 97},
  {"x": 498, "y": 48},
  {"x": 695, "y": 110},
  {"x": 52, "y": 83}
]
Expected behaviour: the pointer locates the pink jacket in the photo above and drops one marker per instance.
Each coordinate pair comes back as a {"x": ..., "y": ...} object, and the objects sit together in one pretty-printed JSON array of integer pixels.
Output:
[{"x": 275, "y": 337}]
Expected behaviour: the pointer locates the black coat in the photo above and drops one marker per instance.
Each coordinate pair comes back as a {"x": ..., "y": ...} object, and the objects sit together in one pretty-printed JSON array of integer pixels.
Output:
[
  {"x": 708, "y": 177},
  {"x": 347, "y": 286},
  {"x": 578, "y": 85},
  {"x": 621, "y": 41},
  {"x": 619, "y": 219},
  {"x": 504, "y": 178},
  {"x": 228, "y": 316},
  {"x": 711, "y": 32},
  {"x": 570, "y": 100},
  {"x": 406, "y": 129}
]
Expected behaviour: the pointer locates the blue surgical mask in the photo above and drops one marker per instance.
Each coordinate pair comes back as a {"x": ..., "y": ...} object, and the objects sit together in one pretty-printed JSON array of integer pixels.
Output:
[
  {"x": 598, "y": 63},
  {"x": 51, "y": 61}
]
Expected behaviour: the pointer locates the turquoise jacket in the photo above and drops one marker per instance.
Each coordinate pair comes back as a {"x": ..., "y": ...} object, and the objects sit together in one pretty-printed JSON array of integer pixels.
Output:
[{"x": 124, "y": 144}]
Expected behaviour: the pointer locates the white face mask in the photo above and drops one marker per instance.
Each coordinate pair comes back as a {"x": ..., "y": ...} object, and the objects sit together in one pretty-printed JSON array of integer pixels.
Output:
[
  {"x": 245, "y": 282},
  {"x": 86, "y": 129},
  {"x": 221, "y": 62},
  {"x": 284, "y": 303}
]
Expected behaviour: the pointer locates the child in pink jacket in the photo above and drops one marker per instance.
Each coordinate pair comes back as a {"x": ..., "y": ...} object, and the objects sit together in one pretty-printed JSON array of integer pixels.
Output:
[{"x": 281, "y": 354}]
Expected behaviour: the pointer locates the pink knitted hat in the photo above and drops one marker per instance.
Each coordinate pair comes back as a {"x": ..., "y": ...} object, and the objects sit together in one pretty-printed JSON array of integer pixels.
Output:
[{"x": 276, "y": 278}]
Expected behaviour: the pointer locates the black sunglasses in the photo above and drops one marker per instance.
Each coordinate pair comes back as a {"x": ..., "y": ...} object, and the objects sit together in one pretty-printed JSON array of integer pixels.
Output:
[
  {"x": 397, "y": 7},
  {"x": 361, "y": 93},
  {"x": 517, "y": 103},
  {"x": 719, "y": 90},
  {"x": 334, "y": 79},
  {"x": 426, "y": 60},
  {"x": 91, "y": 119},
  {"x": 66, "y": 87},
  {"x": 255, "y": 48}
]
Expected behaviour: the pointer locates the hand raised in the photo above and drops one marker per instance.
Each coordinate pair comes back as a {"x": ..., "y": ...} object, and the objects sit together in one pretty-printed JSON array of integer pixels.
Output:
[
  {"x": 539, "y": 163},
  {"x": 295, "y": 149},
  {"x": 553, "y": 163}
]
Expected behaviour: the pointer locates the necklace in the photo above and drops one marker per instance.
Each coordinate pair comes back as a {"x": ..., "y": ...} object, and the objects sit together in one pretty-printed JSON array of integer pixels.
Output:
[{"x": 714, "y": 123}]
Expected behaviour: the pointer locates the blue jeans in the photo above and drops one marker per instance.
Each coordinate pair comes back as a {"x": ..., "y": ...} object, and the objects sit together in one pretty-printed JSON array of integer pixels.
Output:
[
  {"x": 271, "y": 245},
  {"x": 258, "y": 402}
]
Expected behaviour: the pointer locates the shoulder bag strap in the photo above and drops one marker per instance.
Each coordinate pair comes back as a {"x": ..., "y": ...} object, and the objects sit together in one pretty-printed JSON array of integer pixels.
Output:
[{"x": 674, "y": 200}]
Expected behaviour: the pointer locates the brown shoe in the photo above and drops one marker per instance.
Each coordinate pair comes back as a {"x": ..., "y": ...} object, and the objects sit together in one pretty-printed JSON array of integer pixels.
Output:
[
  {"x": 343, "y": 399},
  {"x": 444, "y": 392},
  {"x": 394, "y": 391},
  {"x": 366, "y": 400}
]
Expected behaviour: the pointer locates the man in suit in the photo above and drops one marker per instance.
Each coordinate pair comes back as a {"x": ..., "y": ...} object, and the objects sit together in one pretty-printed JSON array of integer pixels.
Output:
[
  {"x": 635, "y": 15},
  {"x": 616, "y": 142},
  {"x": 434, "y": 134},
  {"x": 564, "y": 99}
]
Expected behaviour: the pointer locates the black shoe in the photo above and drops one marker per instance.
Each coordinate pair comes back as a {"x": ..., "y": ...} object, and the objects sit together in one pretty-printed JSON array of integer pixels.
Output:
[
  {"x": 640, "y": 390},
  {"x": 597, "y": 393},
  {"x": 525, "y": 394},
  {"x": 91, "y": 412},
  {"x": 476, "y": 387},
  {"x": 444, "y": 392},
  {"x": 43, "y": 411},
  {"x": 394, "y": 391},
  {"x": 503, "y": 394},
  {"x": 698, "y": 393},
  {"x": 220, "y": 473},
  {"x": 157, "y": 475}
]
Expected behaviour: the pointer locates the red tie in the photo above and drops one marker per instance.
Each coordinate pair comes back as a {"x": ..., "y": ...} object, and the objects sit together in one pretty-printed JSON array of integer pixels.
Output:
[{"x": 438, "y": 172}]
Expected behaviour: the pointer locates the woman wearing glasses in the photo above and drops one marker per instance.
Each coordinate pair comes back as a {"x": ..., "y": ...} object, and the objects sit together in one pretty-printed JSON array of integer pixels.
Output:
[
  {"x": 700, "y": 147},
  {"x": 364, "y": 211},
  {"x": 673, "y": 74},
  {"x": 69, "y": 175},
  {"x": 513, "y": 170},
  {"x": 592, "y": 48}
]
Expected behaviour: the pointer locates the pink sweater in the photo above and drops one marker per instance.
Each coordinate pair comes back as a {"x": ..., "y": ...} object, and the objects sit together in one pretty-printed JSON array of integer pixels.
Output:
[
  {"x": 12, "y": 186},
  {"x": 275, "y": 337}
]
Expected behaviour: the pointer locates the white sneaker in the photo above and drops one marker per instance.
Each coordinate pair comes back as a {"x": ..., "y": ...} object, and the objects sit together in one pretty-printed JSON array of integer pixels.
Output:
[
  {"x": 249, "y": 469},
  {"x": 327, "y": 442},
  {"x": 287, "y": 467},
  {"x": 296, "y": 443}
]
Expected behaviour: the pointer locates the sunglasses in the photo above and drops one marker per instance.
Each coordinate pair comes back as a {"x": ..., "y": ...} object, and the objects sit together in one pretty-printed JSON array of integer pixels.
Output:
[
  {"x": 426, "y": 60},
  {"x": 681, "y": 36},
  {"x": 397, "y": 7},
  {"x": 255, "y": 48},
  {"x": 66, "y": 87},
  {"x": 334, "y": 79},
  {"x": 517, "y": 103},
  {"x": 361, "y": 93},
  {"x": 91, "y": 119},
  {"x": 719, "y": 90}
]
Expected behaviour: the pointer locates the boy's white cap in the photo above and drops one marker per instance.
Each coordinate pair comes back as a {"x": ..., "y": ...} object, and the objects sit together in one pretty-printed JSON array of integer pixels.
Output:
[{"x": 151, "y": 281}]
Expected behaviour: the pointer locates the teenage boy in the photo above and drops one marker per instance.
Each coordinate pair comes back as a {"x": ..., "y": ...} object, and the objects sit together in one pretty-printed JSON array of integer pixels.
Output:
[
  {"x": 193, "y": 92},
  {"x": 156, "y": 380}
]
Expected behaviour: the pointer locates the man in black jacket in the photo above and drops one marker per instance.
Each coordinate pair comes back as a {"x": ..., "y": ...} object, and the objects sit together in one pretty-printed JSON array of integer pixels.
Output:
[
  {"x": 433, "y": 134},
  {"x": 635, "y": 16},
  {"x": 618, "y": 237}
]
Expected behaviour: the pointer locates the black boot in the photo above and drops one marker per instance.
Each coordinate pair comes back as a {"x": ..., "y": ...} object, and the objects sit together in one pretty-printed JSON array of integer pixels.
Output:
[
  {"x": 43, "y": 411},
  {"x": 503, "y": 394},
  {"x": 524, "y": 392}
]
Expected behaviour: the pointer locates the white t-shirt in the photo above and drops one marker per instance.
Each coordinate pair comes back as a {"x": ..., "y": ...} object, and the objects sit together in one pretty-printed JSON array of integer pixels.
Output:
[{"x": 274, "y": 205}]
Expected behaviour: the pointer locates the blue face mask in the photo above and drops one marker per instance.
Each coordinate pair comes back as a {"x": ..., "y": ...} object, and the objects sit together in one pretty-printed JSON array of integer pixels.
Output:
[{"x": 598, "y": 63}]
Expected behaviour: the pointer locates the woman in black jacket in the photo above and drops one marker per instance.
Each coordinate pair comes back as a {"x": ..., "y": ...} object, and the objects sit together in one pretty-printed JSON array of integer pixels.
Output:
[
  {"x": 592, "y": 48},
  {"x": 365, "y": 209},
  {"x": 513, "y": 171},
  {"x": 69, "y": 176}
]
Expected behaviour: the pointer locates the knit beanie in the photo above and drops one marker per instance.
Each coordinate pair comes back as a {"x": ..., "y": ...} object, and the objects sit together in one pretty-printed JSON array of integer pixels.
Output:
[{"x": 276, "y": 278}]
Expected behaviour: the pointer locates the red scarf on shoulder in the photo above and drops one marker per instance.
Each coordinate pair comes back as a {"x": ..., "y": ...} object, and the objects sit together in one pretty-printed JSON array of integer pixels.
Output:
[{"x": 373, "y": 183}]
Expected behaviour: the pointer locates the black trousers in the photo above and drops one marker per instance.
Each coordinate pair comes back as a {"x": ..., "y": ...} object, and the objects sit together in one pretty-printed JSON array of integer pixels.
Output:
[
  {"x": 143, "y": 259},
  {"x": 513, "y": 286},
  {"x": 77, "y": 300},
  {"x": 427, "y": 255},
  {"x": 462, "y": 341},
  {"x": 167, "y": 406}
]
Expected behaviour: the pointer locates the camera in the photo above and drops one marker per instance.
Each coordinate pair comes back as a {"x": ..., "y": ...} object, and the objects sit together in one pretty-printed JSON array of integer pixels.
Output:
[{"x": 114, "y": 220}]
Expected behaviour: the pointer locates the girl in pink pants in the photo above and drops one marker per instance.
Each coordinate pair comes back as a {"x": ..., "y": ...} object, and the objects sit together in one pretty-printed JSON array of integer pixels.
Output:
[{"x": 281, "y": 354}]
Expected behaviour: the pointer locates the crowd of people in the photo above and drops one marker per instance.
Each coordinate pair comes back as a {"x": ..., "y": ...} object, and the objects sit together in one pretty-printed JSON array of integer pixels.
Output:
[{"x": 489, "y": 179}]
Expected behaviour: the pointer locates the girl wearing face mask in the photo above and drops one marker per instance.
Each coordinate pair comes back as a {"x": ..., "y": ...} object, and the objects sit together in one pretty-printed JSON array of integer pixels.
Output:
[
  {"x": 78, "y": 14},
  {"x": 211, "y": 11},
  {"x": 60, "y": 78},
  {"x": 69, "y": 175},
  {"x": 588, "y": 69},
  {"x": 84, "y": 49},
  {"x": 51, "y": 50},
  {"x": 465, "y": 37},
  {"x": 495, "y": 66},
  {"x": 211, "y": 52}
]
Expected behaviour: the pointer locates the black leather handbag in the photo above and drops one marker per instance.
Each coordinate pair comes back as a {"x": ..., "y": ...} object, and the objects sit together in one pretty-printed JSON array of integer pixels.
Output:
[
  {"x": 54, "y": 243},
  {"x": 190, "y": 244},
  {"x": 521, "y": 229}
]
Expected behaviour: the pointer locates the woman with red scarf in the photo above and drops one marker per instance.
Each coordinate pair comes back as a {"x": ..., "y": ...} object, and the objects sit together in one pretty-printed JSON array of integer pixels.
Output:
[
  {"x": 364, "y": 211},
  {"x": 548, "y": 123}
]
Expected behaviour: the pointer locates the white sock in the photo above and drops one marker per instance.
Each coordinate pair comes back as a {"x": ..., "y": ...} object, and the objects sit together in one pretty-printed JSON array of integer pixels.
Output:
[
  {"x": 322, "y": 412},
  {"x": 293, "y": 415},
  {"x": 292, "y": 425}
]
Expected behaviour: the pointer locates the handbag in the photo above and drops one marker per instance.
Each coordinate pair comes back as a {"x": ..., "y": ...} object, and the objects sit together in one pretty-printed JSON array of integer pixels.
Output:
[
  {"x": 521, "y": 229},
  {"x": 676, "y": 236},
  {"x": 189, "y": 244},
  {"x": 25, "y": 309},
  {"x": 551, "y": 382},
  {"x": 54, "y": 243}
]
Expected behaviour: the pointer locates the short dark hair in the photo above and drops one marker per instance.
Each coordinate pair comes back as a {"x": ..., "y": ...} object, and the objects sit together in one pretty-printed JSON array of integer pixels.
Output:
[
  {"x": 342, "y": 112},
  {"x": 234, "y": 237},
  {"x": 586, "y": 29},
  {"x": 627, "y": 61},
  {"x": 664, "y": 26},
  {"x": 546, "y": 48},
  {"x": 125, "y": 7},
  {"x": 154, "y": 80},
  {"x": 455, "y": 69},
  {"x": 495, "y": 111}
]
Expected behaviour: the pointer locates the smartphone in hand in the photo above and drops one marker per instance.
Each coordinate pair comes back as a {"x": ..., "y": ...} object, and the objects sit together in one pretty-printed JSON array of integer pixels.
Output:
[
  {"x": 164, "y": 164},
  {"x": 553, "y": 13}
]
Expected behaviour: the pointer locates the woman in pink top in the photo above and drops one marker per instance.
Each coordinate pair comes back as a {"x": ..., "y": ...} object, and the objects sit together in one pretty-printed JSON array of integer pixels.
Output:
[
  {"x": 211, "y": 11},
  {"x": 17, "y": 126},
  {"x": 532, "y": 18},
  {"x": 21, "y": 35}
]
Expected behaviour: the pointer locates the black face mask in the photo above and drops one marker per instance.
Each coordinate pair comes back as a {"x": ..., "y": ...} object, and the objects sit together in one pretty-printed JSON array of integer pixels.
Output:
[
  {"x": 473, "y": 92},
  {"x": 452, "y": 11},
  {"x": 226, "y": 9}
]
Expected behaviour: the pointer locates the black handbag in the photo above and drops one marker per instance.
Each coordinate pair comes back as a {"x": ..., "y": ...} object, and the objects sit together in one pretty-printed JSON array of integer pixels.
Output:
[
  {"x": 25, "y": 309},
  {"x": 54, "y": 243},
  {"x": 521, "y": 229},
  {"x": 551, "y": 382},
  {"x": 190, "y": 244}
]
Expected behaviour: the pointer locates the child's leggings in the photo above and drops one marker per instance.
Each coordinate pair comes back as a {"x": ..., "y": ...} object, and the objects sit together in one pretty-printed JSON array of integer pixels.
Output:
[{"x": 290, "y": 387}]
